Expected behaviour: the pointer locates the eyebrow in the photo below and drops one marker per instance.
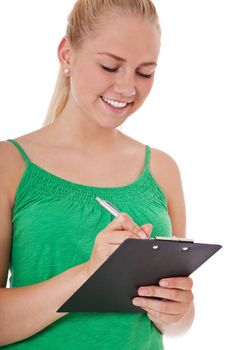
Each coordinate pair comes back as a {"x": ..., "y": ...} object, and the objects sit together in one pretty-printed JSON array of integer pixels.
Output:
[{"x": 124, "y": 60}]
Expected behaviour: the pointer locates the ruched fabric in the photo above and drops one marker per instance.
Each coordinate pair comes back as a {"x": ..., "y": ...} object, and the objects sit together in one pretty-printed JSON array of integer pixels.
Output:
[{"x": 55, "y": 222}]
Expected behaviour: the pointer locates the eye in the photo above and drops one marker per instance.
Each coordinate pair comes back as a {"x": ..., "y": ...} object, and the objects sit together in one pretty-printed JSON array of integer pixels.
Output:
[
  {"x": 114, "y": 70},
  {"x": 108, "y": 69},
  {"x": 147, "y": 76}
]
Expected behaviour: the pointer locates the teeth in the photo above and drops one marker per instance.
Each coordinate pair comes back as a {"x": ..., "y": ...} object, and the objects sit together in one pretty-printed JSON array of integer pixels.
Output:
[{"x": 114, "y": 103}]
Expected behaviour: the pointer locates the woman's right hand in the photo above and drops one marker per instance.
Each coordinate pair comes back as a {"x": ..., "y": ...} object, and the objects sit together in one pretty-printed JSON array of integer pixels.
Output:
[{"x": 109, "y": 239}]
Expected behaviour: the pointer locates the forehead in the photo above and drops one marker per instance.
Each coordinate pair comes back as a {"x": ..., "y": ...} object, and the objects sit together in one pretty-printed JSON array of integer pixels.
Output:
[{"x": 126, "y": 37}]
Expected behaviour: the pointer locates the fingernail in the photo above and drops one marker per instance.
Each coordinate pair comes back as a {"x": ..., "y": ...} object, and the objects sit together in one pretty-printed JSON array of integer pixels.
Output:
[
  {"x": 136, "y": 301},
  {"x": 143, "y": 291},
  {"x": 163, "y": 283},
  {"x": 142, "y": 234},
  {"x": 151, "y": 226}
]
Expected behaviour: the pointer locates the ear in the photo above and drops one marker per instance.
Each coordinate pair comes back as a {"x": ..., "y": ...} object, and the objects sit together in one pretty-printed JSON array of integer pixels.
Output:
[{"x": 64, "y": 53}]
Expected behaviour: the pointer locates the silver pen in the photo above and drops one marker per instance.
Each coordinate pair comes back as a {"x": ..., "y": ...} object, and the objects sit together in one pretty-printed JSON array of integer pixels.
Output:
[
  {"x": 115, "y": 212},
  {"x": 108, "y": 206},
  {"x": 111, "y": 209}
]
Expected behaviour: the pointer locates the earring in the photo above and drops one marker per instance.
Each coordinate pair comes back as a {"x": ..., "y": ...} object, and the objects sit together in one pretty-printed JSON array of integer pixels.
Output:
[{"x": 66, "y": 71}]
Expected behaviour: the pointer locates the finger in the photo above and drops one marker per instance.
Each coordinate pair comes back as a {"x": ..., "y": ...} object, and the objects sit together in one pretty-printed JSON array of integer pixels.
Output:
[
  {"x": 124, "y": 222},
  {"x": 115, "y": 239},
  {"x": 119, "y": 237},
  {"x": 185, "y": 283},
  {"x": 166, "y": 307},
  {"x": 158, "y": 317},
  {"x": 147, "y": 228},
  {"x": 166, "y": 293},
  {"x": 144, "y": 231}
]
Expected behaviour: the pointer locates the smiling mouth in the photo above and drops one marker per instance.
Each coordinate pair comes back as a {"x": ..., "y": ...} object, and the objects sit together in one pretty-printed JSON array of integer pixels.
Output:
[
  {"x": 115, "y": 103},
  {"x": 117, "y": 106}
]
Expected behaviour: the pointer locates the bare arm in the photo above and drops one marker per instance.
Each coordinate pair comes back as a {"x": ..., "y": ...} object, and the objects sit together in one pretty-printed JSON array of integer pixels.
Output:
[
  {"x": 173, "y": 315},
  {"x": 25, "y": 311},
  {"x": 177, "y": 212}
]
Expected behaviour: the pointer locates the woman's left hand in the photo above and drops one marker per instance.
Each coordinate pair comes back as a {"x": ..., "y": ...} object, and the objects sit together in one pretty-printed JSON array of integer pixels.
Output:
[{"x": 176, "y": 298}]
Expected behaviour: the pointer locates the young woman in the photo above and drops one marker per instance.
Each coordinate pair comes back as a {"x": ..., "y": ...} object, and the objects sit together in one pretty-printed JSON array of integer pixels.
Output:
[{"x": 53, "y": 233}]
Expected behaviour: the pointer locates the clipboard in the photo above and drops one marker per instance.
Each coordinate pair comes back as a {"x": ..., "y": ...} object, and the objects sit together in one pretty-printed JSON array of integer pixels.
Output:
[{"x": 135, "y": 263}]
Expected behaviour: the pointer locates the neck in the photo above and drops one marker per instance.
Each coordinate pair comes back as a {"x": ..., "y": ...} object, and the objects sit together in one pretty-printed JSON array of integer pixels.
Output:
[{"x": 79, "y": 132}]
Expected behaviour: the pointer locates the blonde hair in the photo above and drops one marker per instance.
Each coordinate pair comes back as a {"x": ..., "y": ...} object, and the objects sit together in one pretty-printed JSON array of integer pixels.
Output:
[{"x": 86, "y": 19}]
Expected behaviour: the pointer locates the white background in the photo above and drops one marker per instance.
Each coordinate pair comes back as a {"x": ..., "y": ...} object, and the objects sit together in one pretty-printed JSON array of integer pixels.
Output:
[{"x": 187, "y": 115}]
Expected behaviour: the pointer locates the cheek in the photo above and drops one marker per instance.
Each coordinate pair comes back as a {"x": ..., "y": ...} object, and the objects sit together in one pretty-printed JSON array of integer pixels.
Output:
[
  {"x": 146, "y": 87},
  {"x": 94, "y": 82},
  {"x": 100, "y": 81}
]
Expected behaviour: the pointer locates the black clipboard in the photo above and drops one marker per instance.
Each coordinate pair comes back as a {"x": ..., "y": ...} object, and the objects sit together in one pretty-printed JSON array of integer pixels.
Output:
[{"x": 135, "y": 263}]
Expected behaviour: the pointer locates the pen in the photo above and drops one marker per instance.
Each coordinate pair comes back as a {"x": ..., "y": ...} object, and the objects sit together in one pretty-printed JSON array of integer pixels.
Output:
[
  {"x": 108, "y": 206},
  {"x": 115, "y": 212}
]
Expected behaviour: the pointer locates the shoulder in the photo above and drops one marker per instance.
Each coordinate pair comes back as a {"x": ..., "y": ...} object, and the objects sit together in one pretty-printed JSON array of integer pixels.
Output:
[
  {"x": 12, "y": 164},
  {"x": 166, "y": 172},
  {"x": 11, "y": 168},
  {"x": 164, "y": 168},
  {"x": 9, "y": 156},
  {"x": 163, "y": 159}
]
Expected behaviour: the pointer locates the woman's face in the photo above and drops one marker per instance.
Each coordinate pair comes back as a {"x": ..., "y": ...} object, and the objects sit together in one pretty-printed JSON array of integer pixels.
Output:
[{"x": 114, "y": 68}]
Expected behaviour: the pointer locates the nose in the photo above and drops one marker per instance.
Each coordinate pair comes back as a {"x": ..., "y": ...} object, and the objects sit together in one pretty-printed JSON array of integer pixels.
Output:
[{"x": 125, "y": 85}]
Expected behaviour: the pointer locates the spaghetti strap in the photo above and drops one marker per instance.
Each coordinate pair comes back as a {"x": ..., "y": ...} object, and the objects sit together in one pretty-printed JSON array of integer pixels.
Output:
[
  {"x": 21, "y": 151},
  {"x": 147, "y": 158}
]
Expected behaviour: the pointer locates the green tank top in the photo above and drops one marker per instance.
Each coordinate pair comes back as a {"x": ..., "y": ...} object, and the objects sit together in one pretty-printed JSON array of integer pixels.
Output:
[{"x": 55, "y": 222}]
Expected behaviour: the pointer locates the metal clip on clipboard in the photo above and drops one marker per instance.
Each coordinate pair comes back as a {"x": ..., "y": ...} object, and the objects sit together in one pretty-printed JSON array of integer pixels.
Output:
[{"x": 172, "y": 239}]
